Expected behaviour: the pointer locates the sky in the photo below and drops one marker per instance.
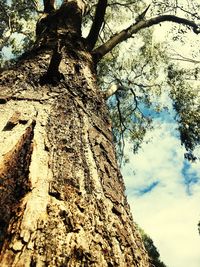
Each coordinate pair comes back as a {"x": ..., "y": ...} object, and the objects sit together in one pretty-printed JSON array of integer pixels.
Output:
[
  {"x": 164, "y": 189},
  {"x": 164, "y": 194}
]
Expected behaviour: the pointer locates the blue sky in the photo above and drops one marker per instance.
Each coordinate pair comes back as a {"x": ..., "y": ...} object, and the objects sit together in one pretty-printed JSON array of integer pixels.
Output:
[
  {"x": 164, "y": 194},
  {"x": 163, "y": 189}
]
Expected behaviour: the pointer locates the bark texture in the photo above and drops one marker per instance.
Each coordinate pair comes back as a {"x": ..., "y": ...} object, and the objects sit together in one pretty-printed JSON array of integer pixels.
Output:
[{"x": 62, "y": 194}]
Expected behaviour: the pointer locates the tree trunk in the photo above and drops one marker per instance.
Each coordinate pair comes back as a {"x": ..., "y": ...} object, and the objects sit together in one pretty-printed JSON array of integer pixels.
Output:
[{"x": 62, "y": 194}]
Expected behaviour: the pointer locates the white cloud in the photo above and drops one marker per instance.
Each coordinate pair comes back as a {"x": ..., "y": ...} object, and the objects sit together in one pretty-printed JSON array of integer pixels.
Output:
[
  {"x": 166, "y": 213},
  {"x": 160, "y": 159},
  {"x": 172, "y": 223}
]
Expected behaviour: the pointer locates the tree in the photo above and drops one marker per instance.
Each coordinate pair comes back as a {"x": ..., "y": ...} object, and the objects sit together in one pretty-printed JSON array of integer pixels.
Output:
[
  {"x": 153, "y": 253},
  {"x": 62, "y": 194}
]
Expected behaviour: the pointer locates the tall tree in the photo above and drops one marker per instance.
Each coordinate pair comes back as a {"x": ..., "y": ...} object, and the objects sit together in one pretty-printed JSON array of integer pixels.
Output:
[{"x": 62, "y": 194}]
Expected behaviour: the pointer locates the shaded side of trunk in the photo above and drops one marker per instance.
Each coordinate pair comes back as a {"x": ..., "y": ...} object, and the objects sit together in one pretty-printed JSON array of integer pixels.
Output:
[{"x": 61, "y": 189}]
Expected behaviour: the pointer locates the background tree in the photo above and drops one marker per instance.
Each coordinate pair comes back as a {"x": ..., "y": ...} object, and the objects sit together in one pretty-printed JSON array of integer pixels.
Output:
[
  {"x": 152, "y": 250},
  {"x": 61, "y": 189}
]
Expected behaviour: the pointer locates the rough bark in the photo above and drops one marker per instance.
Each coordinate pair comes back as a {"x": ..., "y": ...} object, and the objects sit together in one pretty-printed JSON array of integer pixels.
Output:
[{"x": 62, "y": 194}]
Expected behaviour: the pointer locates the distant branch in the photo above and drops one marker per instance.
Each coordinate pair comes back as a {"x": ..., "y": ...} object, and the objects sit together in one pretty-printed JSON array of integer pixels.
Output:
[
  {"x": 126, "y": 5},
  {"x": 122, "y": 128},
  {"x": 35, "y": 6},
  {"x": 97, "y": 23},
  {"x": 188, "y": 12},
  {"x": 112, "y": 90},
  {"x": 121, "y": 4},
  {"x": 177, "y": 56},
  {"x": 4, "y": 41},
  {"x": 135, "y": 99},
  {"x": 185, "y": 59},
  {"x": 136, "y": 27},
  {"x": 7, "y": 19}
]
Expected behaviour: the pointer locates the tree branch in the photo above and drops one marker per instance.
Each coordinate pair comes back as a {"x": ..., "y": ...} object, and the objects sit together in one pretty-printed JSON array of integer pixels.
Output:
[
  {"x": 136, "y": 27},
  {"x": 97, "y": 23},
  {"x": 122, "y": 129},
  {"x": 142, "y": 15},
  {"x": 49, "y": 6},
  {"x": 112, "y": 90},
  {"x": 178, "y": 56}
]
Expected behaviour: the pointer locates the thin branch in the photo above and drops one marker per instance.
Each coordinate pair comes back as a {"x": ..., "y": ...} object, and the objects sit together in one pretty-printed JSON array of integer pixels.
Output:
[
  {"x": 136, "y": 27},
  {"x": 125, "y": 5},
  {"x": 122, "y": 128},
  {"x": 188, "y": 12},
  {"x": 122, "y": 4},
  {"x": 142, "y": 15},
  {"x": 122, "y": 120},
  {"x": 177, "y": 56},
  {"x": 97, "y": 23},
  {"x": 49, "y": 6},
  {"x": 135, "y": 98},
  {"x": 36, "y": 7},
  {"x": 5, "y": 39},
  {"x": 185, "y": 59}
]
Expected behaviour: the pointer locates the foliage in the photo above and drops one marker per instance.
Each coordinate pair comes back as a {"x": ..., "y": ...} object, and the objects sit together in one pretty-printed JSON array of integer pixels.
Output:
[
  {"x": 142, "y": 65},
  {"x": 186, "y": 100},
  {"x": 151, "y": 250},
  {"x": 18, "y": 18},
  {"x": 136, "y": 70}
]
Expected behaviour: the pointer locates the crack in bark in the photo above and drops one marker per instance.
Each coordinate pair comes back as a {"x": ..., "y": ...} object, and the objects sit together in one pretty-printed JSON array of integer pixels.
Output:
[
  {"x": 14, "y": 178},
  {"x": 53, "y": 75}
]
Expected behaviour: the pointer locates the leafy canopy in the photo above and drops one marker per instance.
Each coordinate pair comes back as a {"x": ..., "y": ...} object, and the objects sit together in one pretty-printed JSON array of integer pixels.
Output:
[{"x": 144, "y": 65}]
